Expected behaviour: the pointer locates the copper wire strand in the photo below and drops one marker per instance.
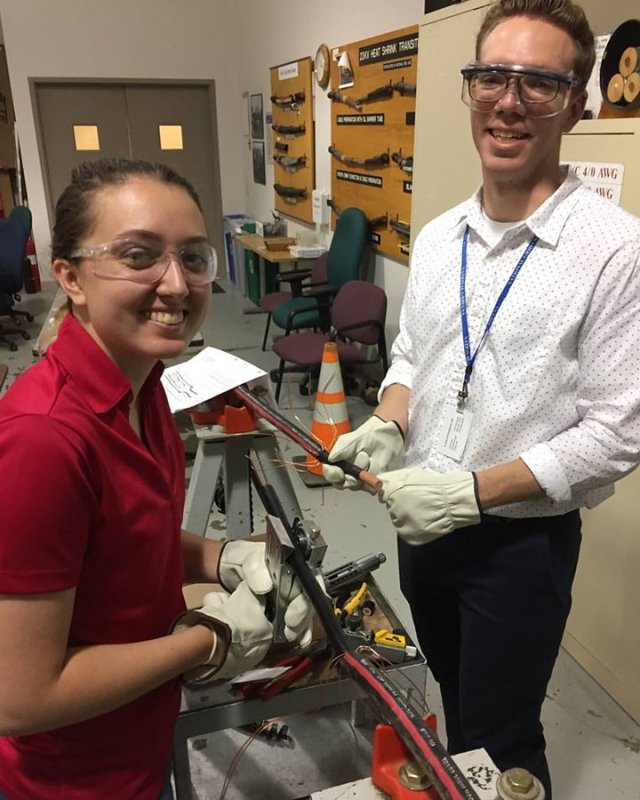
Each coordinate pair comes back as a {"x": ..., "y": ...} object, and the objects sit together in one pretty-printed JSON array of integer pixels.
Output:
[
  {"x": 378, "y": 658},
  {"x": 241, "y": 751},
  {"x": 235, "y": 760}
]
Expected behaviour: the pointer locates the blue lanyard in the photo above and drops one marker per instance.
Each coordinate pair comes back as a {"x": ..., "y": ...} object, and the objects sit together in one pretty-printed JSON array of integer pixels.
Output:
[{"x": 470, "y": 359}]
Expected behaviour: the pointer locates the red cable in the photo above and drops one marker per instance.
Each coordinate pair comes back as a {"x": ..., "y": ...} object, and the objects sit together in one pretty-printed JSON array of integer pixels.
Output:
[{"x": 408, "y": 725}]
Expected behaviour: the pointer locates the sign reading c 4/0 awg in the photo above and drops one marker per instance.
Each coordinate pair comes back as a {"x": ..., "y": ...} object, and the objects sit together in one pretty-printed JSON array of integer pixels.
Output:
[{"x": 603, "y": 179}]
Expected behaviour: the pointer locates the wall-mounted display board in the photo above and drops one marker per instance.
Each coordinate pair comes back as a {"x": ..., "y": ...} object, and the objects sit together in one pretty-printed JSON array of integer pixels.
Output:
[
  {"x": 293, "y": 138},
  {"x": 373, "y": 94}
]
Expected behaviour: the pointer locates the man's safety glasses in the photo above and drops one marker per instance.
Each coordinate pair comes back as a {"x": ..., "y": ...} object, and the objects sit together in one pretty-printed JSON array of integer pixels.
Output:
[
  {"x": 148, "y": 263},
  {"x": 544, "y": 94}
]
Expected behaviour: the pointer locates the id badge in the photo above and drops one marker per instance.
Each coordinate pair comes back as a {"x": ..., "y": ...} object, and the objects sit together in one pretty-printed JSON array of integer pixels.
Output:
[{"x": 454, "y": 431}]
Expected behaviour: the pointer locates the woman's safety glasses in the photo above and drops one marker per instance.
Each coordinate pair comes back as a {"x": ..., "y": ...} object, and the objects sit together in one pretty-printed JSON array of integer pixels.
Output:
[{"x": 148, "y": 263}]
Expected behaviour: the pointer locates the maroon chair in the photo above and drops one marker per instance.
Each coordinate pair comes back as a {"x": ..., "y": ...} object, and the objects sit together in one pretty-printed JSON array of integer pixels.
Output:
[
  {"x": 298, "y": 278},
  {"x": 358, "y": 316}
]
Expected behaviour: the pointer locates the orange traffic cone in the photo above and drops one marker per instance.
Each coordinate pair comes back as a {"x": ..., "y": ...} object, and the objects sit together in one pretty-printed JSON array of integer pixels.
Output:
[{"x": 330, "y": 418}]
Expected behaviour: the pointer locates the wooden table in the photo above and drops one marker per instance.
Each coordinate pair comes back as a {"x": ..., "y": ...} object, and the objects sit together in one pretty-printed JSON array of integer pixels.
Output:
[{"x": 255, "y": 243}]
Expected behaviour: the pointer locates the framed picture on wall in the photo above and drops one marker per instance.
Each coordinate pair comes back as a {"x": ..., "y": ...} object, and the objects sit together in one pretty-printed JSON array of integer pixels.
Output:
[
  {"x": 259, "y": 170},
  {"x": 257, "y": 118}
]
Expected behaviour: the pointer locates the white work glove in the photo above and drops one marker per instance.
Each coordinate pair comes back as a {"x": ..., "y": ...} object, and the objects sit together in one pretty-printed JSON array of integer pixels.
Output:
[
  {"x": 372, "y": 447},
  {"x": 241, "y": 560},
  {"x": 300, "y": 613},
  {"x": 242, "y": 633},
  {"x": 425, "y": 505}
]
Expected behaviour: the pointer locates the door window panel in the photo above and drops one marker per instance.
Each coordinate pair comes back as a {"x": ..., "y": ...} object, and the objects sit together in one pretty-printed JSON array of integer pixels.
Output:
[
  {"x": 86, "y": 137},
  {"x": 170, "y": 137}
]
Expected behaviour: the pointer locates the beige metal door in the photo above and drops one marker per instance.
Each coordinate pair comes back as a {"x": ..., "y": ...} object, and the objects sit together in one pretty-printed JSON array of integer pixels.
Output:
[
  {"x": 79, "y": 123},
  {"x": 173, "y": 123},
  {"x": 183, "y": 115}
]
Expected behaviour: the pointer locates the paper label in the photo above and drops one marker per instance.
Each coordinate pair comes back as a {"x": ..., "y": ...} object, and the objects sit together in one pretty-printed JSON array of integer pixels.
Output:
[{"x": 454, "y": 431}]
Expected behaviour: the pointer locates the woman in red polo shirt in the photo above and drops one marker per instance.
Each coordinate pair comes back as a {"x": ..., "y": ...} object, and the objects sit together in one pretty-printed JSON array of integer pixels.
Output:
[{"x": 92, "y": 555}]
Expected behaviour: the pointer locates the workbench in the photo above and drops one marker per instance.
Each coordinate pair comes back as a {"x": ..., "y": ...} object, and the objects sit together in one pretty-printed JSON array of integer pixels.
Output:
[
  {"x": 215, "y": 708},
  {"x": 226, "y": 455}
]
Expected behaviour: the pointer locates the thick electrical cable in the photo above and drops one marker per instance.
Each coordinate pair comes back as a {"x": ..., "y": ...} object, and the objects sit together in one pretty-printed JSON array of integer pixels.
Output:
[
  {"x": 392, "y": 706},
  {"x": 301, "y": 437}
]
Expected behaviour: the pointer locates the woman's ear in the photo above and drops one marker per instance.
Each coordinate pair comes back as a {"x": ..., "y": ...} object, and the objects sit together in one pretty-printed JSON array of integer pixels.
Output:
[{"x": 68, "y": 278}]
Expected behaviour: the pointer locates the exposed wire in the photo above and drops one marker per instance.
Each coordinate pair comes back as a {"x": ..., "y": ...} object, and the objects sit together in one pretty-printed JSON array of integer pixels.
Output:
[{"x": 241, "y": 751}]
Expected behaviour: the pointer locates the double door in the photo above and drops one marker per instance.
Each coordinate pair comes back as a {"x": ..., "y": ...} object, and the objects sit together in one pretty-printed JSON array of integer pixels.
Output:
[{"x": 173, "y": 123}]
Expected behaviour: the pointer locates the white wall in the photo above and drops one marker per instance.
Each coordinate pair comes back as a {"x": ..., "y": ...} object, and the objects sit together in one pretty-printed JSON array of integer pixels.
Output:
[
  {"x": 233, "y": 43},
  {"x": 124, "y": 39}
]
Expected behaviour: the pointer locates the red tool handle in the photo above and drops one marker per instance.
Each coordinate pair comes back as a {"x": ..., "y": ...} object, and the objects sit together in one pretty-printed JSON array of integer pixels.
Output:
[{"x": 277, "y": 685}]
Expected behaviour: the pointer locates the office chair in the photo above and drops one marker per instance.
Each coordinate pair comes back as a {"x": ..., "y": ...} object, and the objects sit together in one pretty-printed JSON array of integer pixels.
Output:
[
  {"x": 298, "y": 279},
  {"x": 23, "y": 215},
  {"x": 345, "y": 258},
  {"x": 358, "y": 316},
  {"x": 13, "y": 242}
]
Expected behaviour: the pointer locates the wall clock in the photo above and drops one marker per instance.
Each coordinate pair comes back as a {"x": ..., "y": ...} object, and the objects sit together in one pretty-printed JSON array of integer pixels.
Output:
[{"x": 322, "y": 66}]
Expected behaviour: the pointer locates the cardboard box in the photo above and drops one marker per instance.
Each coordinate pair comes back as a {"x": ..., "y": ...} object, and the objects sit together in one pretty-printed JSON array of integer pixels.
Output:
[
  {"x": 8, "y": 158},
  {"x": 279, "y": 243}
]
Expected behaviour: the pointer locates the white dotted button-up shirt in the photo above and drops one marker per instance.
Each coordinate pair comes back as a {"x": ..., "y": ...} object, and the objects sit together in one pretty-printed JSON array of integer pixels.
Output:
[{"x": 557, "y": 380}]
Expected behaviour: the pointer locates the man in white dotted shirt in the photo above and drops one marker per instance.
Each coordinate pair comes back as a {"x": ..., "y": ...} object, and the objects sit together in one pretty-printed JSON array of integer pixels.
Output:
[{"x": 514, "y": 389}]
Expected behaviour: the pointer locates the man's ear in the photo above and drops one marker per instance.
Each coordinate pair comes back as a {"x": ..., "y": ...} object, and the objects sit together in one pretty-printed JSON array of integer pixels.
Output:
[
  {"x": 67, "y": 276},
  {"x": 575, "y": 111}
]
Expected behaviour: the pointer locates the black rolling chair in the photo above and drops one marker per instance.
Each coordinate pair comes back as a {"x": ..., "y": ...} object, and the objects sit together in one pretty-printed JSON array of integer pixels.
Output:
[{"x": 13, "y": 242}]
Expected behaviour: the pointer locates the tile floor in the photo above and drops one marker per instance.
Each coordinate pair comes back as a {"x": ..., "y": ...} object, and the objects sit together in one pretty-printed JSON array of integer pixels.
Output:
[{"x": 593, "y": 746}]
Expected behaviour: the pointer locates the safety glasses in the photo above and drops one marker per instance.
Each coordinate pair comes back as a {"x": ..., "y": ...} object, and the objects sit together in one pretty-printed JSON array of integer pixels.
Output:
[
  {"x": 543, "y": 93},
  {"x": 148, "y": 263}
]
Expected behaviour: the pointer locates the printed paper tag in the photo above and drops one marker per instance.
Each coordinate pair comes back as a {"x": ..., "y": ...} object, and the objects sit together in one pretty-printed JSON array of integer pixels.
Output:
[{"x": 454, "y": 431}]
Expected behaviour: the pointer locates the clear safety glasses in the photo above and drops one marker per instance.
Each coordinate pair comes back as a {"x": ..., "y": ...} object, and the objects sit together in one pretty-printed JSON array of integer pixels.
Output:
[
  {"x": 544, "y": 94},
  {"x": 148, "y": 263}
]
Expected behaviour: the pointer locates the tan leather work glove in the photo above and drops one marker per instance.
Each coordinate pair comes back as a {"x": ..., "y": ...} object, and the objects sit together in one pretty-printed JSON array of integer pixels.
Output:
[
  {"x": 425, "y": 505},
  {"x": 242, "y": 634},
  {"x": 242, "y": 560},
  {"x": 372, "y": 447}
]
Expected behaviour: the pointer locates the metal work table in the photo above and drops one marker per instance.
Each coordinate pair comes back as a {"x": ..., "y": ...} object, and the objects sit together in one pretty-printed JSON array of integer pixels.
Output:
[
  {"x": 220, "y": 453},
  {"x": 209, "y": 709},
  {"x": 215, "y": 708}
]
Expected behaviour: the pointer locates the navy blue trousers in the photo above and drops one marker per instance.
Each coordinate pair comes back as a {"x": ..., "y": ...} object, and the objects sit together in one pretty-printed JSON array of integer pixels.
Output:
[{"x": 490, "y": 604}]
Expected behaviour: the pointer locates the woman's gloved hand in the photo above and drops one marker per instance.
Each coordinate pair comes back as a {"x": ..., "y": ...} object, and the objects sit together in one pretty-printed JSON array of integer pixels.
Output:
[
  {"x": 242, "y": 560},
  {"x": 242, "y": 633},
  {"x": 300, "y": 613},
  {"x": 372, "y": 447},
  {"x": 425, "y": 505}
]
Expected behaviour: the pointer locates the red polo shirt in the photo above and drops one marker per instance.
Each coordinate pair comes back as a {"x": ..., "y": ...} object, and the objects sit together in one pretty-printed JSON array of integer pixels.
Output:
[{"x": 84, "y": 504}]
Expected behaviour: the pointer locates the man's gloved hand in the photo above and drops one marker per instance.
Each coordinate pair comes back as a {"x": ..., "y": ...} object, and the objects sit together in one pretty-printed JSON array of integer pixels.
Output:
[
  {"x": 242, "y": 560},
  {"x": 242, "y": 633},
  {"x": 425, "y": 505},
  {"x": 372, "y": 447}
]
